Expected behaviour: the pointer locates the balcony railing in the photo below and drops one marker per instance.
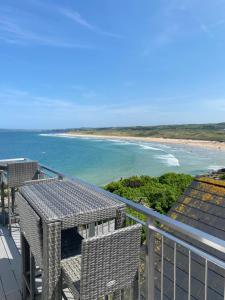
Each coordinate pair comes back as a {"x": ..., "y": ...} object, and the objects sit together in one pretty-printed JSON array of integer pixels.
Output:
[{"x": 177, "y": 260}]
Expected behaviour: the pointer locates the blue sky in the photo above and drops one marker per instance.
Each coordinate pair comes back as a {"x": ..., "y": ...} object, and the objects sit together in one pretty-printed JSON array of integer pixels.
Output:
[{"x": 73, "y": 63}]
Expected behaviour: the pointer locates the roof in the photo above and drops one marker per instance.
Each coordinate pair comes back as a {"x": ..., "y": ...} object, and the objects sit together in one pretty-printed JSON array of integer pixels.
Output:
[{"x": 202, "y": 206}]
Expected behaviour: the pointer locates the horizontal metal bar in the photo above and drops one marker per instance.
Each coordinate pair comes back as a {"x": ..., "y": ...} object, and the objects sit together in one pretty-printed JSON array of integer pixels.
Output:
[
  {"x": 53, "y": 171},
  {"x": 46, "y": 174},
  {"x": 136, "y": 219},
  {"x": 206, "y": 279},
  {"x": 197, "y": 251},
  {"x": 13, "y": 159}
]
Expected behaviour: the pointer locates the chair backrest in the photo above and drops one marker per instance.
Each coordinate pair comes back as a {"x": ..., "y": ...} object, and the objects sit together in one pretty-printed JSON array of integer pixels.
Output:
[
  {"x": 30, "y": 225},
  {"x": 109, "y": 262},
  {"x": 19, "y": 172}
]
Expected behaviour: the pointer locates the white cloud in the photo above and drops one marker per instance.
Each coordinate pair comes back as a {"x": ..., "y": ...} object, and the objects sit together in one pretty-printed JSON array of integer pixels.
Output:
[
  {"x": 209, "y": 28},
  {"x": 12, "y": 32},
  {"x": 77, "y": 18},
  {"x": 21, "y": 26},
  {"x": 28, "y": 110},
  {"x": 175, "y": 21},
  {"x": 74, "y": 16},
  {"x": 36, "y": 111}
]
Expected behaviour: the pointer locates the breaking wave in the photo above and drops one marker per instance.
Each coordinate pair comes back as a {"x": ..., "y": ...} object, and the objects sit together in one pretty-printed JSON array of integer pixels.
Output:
[
  {"x": 147, "y": 147},
  {"x": 215, "y": 167},
  {"x": 169, "y": 159}
]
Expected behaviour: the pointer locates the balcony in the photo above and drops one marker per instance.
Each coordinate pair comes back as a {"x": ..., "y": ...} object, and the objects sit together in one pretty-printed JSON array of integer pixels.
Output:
[{"x": 177, "y": 261}]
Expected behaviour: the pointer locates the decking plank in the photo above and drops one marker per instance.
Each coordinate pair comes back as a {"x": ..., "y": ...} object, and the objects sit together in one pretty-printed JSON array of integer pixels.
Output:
[
  {"x": 2, "y": 293},
  {"x": 10, "y": 264},
  {"x": 13, "y": 295},
  {"x": 9, "y": 284},
  {"x": 13, "y": 255}
]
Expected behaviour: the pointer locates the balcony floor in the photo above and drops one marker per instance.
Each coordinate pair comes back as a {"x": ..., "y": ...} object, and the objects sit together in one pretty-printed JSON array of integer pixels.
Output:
[{"x": 10, "y": 263}]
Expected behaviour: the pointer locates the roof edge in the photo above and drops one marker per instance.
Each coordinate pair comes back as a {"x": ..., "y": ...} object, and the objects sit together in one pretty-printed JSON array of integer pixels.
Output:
[{"x": 211, "y": 181}]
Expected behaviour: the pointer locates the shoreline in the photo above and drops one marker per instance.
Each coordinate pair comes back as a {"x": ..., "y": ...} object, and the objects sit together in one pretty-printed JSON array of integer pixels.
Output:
[{"x": 213, "y": 145}]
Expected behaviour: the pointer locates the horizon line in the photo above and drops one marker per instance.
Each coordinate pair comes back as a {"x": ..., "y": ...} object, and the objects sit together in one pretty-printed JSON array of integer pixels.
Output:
[{"x": 107, "y": 127}]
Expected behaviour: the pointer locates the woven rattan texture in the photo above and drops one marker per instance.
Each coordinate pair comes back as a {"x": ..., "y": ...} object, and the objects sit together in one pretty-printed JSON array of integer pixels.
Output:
[
  {"x": 19, "y": 172},
  {"x": 31, "y": 228},
  {"x": 51, "y": 261},
  {"x": 108, "y": 263},
  {"x": 69, "y": 202},
  {"x": 71, "y": 270}
]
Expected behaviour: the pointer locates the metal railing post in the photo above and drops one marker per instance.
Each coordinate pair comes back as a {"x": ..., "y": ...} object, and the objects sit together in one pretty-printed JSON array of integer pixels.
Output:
[
  {"x": 3, "y": 203},
  {"x": 9, "y": 211},
  {"x": 60, "y": 177},
  {"x": 149, "y": 268}
]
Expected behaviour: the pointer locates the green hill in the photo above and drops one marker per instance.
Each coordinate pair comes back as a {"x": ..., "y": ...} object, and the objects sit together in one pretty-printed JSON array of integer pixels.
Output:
[{"x": 209, "y": 132}]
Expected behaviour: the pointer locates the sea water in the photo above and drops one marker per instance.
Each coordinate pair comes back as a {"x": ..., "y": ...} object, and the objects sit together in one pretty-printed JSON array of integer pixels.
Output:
[{"x": 100, "y": 161}]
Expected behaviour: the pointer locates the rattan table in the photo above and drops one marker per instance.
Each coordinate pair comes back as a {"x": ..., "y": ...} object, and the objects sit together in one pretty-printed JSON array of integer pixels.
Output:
[{"x": 55, "y": 205}]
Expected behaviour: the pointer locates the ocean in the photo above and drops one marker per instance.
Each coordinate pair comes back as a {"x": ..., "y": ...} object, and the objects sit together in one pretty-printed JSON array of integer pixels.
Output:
[{"x": 101, "y": 161}]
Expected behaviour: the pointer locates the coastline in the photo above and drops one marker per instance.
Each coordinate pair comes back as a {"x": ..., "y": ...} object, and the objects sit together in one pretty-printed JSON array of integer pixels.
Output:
[{"x": 213, "y": 145}]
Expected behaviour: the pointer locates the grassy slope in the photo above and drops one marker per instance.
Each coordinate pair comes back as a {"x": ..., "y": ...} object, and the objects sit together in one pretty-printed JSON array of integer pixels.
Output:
[{"x": 210, "y": 132}]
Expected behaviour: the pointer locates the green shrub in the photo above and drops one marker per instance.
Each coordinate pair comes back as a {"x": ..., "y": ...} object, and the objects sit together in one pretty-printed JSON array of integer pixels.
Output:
[{"x": 159, "y": 193}]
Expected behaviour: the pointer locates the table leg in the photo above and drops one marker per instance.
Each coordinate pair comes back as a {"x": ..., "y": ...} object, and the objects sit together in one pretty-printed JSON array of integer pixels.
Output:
[
  {"x": 9, "y": 211},
  {"x": 51, "y": 286},
  {"x": 25, "y": 264},
  {"x": 11, "y": 208},
  {"x": 13, "y": 191},
  {"x": 3, "y": 203}
]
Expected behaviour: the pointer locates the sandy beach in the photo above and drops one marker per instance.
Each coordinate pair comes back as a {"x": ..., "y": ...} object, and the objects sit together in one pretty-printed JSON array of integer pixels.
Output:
[{"x": 213, "y": 145}]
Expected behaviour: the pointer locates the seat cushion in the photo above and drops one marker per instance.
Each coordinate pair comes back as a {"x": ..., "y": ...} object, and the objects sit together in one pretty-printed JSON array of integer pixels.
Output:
[{"x": 71, "y": 270}]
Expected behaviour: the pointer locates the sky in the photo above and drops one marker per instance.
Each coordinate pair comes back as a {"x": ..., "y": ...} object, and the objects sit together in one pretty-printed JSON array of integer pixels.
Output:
[{"x": 98, "y": 63}]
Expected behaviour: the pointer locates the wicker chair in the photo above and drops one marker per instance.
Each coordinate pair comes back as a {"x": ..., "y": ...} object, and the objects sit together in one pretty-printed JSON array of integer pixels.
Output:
[
  {"x": 18, "y": 173},
  {"x": 106, "y": 265}
]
